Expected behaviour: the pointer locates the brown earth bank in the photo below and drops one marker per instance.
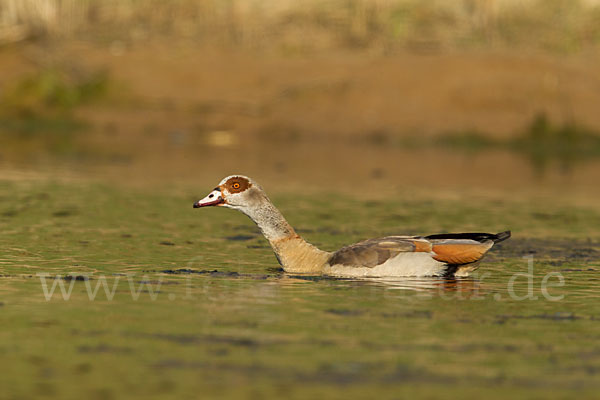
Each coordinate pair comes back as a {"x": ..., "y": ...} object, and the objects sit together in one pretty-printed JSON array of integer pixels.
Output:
[
  {"x": 343, "y": 94},
  {"x": 356, "y": 94}
]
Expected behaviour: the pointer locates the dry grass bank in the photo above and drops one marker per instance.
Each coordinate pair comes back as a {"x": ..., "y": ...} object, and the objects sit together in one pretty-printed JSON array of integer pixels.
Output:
[{"x": 383, "y": 26}]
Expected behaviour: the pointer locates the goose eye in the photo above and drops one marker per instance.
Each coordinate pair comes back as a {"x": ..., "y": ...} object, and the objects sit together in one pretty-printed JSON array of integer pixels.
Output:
[{"x": 235, "y": 185}]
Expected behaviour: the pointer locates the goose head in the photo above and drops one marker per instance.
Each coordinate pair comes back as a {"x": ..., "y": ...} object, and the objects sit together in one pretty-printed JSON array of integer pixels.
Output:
[
  {"x": 243, "y": 194},
  {"x": 236, "y": 191}
]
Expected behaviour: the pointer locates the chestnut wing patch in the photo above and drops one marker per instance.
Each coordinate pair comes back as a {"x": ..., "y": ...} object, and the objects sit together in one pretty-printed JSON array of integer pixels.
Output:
[
  {"x": 374, "y": 252},
  {"x": 460, "y": 251}
]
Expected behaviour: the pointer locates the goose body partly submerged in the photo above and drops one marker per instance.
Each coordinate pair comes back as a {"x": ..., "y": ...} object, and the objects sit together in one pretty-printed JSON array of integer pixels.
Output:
[{"x": 401, "y": 256}]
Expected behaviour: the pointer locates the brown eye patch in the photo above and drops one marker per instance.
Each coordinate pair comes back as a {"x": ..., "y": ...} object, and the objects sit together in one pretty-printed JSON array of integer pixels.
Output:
[{"x": 237, "y": 184}]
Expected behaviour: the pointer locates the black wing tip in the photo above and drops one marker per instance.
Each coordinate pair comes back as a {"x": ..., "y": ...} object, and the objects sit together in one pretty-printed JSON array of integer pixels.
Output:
[
  {"x": 502, "y": 236},
  {"x": 477, "y": 236}
]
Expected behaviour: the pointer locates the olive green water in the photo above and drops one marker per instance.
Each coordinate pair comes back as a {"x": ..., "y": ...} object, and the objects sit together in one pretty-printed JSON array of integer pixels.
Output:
[{"x": 198, "y": 308}]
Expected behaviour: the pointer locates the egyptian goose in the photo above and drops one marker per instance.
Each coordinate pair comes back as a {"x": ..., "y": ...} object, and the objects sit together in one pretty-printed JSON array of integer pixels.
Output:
[{"x": 435, "y": 255}]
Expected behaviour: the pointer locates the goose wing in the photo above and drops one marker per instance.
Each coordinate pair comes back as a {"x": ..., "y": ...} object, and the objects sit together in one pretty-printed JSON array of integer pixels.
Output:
[
  {"x": 454, "y": 249},
  {"x": 373, "y": 252}
]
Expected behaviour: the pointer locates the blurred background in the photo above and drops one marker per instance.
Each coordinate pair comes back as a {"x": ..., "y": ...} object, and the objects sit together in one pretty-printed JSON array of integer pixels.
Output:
[
  {"x": 360, "y": 119},
  {"x": 455, "y": 95}
]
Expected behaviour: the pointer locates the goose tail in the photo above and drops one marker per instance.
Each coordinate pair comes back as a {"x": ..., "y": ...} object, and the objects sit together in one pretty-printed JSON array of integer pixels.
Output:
[{"x": 502, "y": 236}]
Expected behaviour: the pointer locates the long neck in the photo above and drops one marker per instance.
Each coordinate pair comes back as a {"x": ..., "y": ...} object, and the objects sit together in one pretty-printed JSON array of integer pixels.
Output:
[
  {"x": 270, "y": 221},
  {"x": 293, "y": 253}
]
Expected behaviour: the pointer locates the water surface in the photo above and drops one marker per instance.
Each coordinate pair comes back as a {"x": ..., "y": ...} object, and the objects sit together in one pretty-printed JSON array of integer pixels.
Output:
[{"x": 196, "y": 302}]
